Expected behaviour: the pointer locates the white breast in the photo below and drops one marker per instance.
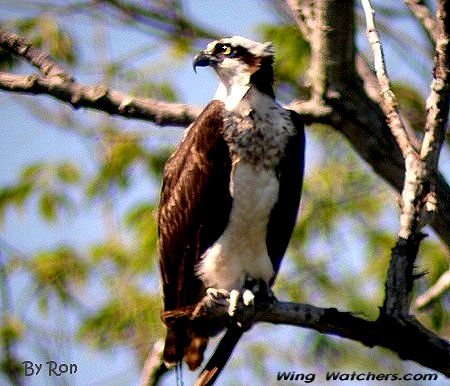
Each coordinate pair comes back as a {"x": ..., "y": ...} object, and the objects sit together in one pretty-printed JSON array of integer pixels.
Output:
[{"x": 241, "y": 250}]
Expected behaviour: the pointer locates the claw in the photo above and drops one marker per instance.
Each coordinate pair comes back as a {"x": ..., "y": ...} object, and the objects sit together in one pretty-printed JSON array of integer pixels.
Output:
[
  {"x": 248, "y": 298},
  {"x": 218, "y": 296},
  {"x": 234, "y": 300}
]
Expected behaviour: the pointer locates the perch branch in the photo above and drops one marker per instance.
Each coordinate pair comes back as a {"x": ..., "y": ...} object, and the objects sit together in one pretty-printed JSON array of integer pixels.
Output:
[{"x": 408, "y": 338}]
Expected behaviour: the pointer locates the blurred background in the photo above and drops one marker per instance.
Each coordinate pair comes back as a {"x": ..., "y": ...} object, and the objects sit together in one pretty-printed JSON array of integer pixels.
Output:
[{"x": 79, "y": 190}]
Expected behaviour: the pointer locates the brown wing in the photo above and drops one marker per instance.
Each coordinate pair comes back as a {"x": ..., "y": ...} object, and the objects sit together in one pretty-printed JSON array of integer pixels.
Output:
[
  {"x": 194, "y": 209},
  {"x": 284, "y": 214}
]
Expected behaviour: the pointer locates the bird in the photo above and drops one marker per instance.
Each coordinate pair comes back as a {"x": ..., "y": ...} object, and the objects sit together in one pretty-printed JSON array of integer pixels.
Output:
[{"x": 230, "y": 195}]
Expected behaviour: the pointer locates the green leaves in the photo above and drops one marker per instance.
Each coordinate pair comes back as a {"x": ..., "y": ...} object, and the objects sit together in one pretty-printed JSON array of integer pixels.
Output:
[
  {"x": 121, "y": 151},
  {"x": 292, "y": 58},
  {"x": 130, "y": 316},
  {"x": 11, "y": 329},
  {"x": 57, "y": 272},
  {"x": 44, "y": 32},
  {"x": 50, "y": 184}
]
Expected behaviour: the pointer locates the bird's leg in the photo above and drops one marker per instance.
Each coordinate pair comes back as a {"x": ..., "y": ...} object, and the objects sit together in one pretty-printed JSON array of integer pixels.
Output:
[
  {"x": 247, "y": 294},
  {"x": 252, "y": 291},
  {"x": 261, "y": 291}
]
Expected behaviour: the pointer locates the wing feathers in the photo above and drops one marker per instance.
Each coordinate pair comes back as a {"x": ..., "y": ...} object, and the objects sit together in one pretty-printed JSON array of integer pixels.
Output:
[
  {"x": 284, "y": 214},
  {"x": 194, "y": 210}
]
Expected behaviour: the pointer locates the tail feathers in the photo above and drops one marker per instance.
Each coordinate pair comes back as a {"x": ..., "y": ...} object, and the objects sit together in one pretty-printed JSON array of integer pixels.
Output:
[
  {"x": 220, "y": 357},
  {"x": 173, "y": 348},
  {"x": 182, "y": 344}
]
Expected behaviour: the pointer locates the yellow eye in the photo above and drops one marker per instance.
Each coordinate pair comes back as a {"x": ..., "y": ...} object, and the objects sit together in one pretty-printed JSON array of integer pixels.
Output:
[{"x": 226, "y": 50}]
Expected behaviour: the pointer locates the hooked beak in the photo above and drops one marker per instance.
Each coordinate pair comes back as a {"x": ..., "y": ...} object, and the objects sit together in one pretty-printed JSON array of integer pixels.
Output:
[{"x": 203, "y": 59}]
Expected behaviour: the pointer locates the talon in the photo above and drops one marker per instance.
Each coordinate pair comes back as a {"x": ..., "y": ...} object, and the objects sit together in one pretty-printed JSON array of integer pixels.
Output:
[
  {"x": 234, "y": 300},
  {"x": 217, "y": 295},
  {"x": 248, "y": 298}
]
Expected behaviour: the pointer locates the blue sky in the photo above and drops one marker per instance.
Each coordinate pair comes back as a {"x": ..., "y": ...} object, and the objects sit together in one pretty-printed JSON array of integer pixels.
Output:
[{"x": 27, "y": 140}]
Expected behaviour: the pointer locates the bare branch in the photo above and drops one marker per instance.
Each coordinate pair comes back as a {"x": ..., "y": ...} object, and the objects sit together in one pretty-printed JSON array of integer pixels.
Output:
[
  {"x": 303, "y": 11},
  {"x": 421, "y": 173},
  {"x": 389, "y": 100},
  {"x": 407, "y": 337},
  {"x": 424, "y": 16},
  {"x": 59, "y": 84},
  {"x": 41, "y": 60},
  {"x": 356, "y": 113},
  {"x": 434, "y": 292},
  {"x": 101, "y": 98},
  {"x": 154, "y": 367},
  {"x": 439, "y": 99}
]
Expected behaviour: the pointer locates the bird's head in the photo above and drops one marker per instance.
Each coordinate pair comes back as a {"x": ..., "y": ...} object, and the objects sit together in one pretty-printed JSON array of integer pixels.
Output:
[{"x": 239, "y": 62}]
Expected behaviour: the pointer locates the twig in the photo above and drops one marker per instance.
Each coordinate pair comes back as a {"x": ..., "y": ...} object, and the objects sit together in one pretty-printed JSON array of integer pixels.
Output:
[
  {"x": 424, "y": 16},
  {"x": 389, "y": 100},
  {"x": 434, "y": 292},
  {"x": 302, "y": 11},
  {"x": 439, "y": 98},
  {"x": 154, "y": 367},
  {"x": 19, "y": 46}
]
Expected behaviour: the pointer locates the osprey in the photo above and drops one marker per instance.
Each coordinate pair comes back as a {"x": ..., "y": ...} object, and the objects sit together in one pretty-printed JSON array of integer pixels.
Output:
[{"x": 230, "y": 193}]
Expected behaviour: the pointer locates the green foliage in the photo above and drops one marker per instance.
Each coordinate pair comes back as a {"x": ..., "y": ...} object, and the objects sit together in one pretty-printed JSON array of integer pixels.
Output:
[
  {"x": 412, "y": 105},
  {"x": 57, "y": 272},
  {"x": 293, "y": 56},
  {"x": 121, "y": 152},
  {"x": 7, "y": 60},
  {"x": 141, "y": 219},
  {"x": 49, "y": 183},
  {"x": 11, "y": 329},
  {"x": 46, "y": 33},
  {"x": 129, "y": 316}
]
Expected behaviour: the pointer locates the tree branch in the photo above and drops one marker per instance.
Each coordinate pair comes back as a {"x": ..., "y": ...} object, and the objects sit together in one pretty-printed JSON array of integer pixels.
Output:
[
  {"x": 418, "y": 194},
  {"x": 389, "y": 100},
  {"x": 438, "y": 101},
  {"x": 17, "y": 45},
  {"x": 154, "y": 367},
  {"x": 303, "y": 12},
  {"x": 434, "y": 292},
  {"x": 101, "y": 98},
  {"x": 359, "y": 117},
  {"x": 424, "y": 16},
  {"x": 408, "y": 338}
]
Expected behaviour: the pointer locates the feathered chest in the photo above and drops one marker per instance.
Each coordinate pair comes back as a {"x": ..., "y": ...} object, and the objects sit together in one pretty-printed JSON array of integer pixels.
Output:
[{"x": 258, "y": 136}]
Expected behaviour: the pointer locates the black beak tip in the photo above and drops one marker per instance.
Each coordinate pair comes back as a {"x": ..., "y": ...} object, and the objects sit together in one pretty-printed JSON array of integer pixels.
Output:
[{"x": 201, "y": 60}]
